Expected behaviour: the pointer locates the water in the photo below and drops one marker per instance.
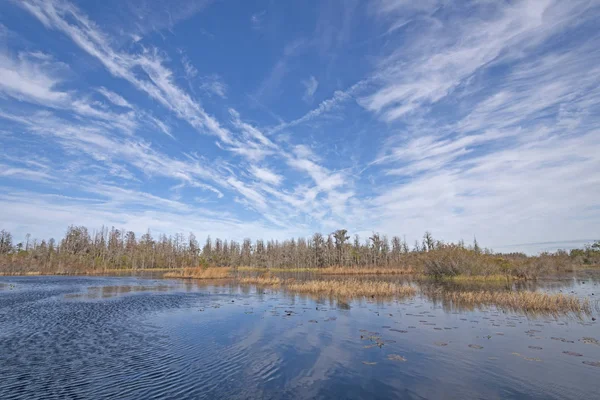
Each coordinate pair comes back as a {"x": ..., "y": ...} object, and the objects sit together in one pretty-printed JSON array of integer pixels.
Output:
[{"x": 139, "y": 338}]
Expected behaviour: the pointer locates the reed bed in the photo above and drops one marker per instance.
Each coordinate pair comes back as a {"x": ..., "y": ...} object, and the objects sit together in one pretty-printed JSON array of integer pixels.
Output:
[
  {"x": 366, "y": 271},
  {"x": 200, "y": 273},
  {"x": 521, "y": 301},
  {"x": 262, "y": 281},
  {"x": 341, "y": 288},
  {"x": 352, "y": 288},
  {"x": 276, "y": 269}
]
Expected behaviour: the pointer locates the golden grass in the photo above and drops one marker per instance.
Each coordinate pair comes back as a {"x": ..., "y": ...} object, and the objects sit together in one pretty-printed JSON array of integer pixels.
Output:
[
  {"x": 366, "y": 271},
  {"x": 30, "y": 273},
  {"x": 109, "y": 270},
  {"x": 342, "y": 288},
  {"x": 523, "y": 301},
  {"x": 200, "y": 273},
  {"x": 337, "y": 270},
  {"x": 352, "y": 288},
  {"x": 262, "y": 281},
  {"x": 482, "y": 278},
  {"x": 276, "y": 269}
]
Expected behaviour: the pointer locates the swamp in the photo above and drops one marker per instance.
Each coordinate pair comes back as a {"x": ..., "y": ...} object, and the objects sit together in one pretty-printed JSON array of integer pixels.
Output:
[{"x": 290, "y": 335}]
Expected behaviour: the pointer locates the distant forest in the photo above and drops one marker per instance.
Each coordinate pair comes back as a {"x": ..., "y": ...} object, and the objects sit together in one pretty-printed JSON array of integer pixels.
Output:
[{"x": 81, "y": 250}]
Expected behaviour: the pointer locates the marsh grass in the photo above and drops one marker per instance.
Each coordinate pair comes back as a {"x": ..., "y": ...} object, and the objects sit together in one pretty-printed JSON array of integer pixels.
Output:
[
  {"x": 535, "y": 302},
  {"x": 200, "y": 273},
  {"x": 29, "y": 273},
  {"x": 366, "y": 271},
  {"x": 262, "y": 281},
  {"x": 275, "y": 269},
  {"x": 352, "y": 288},
  {"x": 341, "y": 288}
]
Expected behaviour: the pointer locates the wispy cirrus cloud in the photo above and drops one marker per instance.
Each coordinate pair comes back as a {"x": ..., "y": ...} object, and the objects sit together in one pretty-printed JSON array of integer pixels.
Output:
[
  {"x": 310, "y": 87},
  {"x": 33, "y": 77},
  {"x": 441, "y": 116}
]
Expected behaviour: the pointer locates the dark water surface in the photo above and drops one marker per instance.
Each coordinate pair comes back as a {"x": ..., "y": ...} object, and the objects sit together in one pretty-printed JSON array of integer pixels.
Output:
[{"x": 139, "y": 338}]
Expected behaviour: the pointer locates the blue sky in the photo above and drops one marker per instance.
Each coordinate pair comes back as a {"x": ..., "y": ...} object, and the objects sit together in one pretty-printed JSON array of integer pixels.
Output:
[{"x": 269, "y": 119}]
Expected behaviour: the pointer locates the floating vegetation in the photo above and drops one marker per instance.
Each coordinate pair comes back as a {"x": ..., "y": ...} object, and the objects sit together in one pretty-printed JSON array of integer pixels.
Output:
[
  {"x": 572, "y": 353},
  {"x": 525, "y": 357},
  {"x": 590, "y": 340},
  {"x": 200, "y": 273},
  {"x": 560, "y": 339},
  {"x": 592, "y": 363},
  {"x": 396, "y": 357}
]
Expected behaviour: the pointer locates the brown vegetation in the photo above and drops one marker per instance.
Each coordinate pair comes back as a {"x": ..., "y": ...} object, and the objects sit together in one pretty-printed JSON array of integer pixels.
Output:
[
  {"x": 352, "y": 288},
  {"x": 338, "y": 270},
  {"x": 342, "y": 288},
  {"x": 200, "y": 273},
  {"x": 518, "y": 301}
]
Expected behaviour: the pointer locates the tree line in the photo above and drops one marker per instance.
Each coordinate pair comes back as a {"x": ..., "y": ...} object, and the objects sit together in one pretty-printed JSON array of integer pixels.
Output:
[{"x": 81, "y": 250}]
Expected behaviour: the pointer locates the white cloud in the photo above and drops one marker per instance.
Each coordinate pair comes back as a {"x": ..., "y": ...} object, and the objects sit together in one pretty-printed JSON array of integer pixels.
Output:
[
  {"x": 447, "y": 53},
  {"x": 310, "y": 87},
  {"x": 32, "y": 77},
  {"x": 214, "y": 85},
  {"x": 266, "y": 175},
  {"x": 114, "y": 98},
  {"x": 65, "y": 17}
]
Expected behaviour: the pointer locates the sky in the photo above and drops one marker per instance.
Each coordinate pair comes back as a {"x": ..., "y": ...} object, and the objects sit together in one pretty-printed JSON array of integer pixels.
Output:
[{"x": 277, "y": 119}]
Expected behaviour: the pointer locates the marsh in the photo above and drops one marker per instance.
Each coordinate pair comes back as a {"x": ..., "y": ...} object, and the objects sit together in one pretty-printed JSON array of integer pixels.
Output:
[{"x": 141, "y": 338}]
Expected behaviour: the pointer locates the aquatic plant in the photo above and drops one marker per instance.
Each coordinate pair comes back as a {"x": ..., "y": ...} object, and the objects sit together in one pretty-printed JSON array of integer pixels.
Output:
[
  {"x": 519, "y": 301},
  {"x": 339, "y": 270},
  {"x": 352, "y": 288},
  {"x": 200, "y": 273},
  {"x": 342, "y": 288},
  {"x": 262, "y": 281}
]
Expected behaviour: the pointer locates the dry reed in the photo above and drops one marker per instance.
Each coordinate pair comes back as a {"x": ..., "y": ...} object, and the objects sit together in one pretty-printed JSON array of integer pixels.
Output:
[
  {"x": 366, "y": 271},
  {"x": 200, "y": 273},
  {"x": 352, "y": 288},
  {"x": 522, "y": 301},
  {"x": 262, "y": 281},
  {"x": 342, "y": 288}
]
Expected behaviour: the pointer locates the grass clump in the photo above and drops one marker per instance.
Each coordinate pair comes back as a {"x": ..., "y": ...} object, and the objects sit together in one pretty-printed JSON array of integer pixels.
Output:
[
  {"x": 521, "y": 301},
  {"x": 341, "y": 288},
  {"x": 352, "y": 288},
  {"x": 365, "y": 271},
  {"x": 200, "y": 273},
  {"x": 262, "y": 281}
]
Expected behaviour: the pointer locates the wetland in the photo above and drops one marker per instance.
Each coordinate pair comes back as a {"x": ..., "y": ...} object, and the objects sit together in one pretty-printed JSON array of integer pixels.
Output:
[{"x": 148, "y": 336}]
